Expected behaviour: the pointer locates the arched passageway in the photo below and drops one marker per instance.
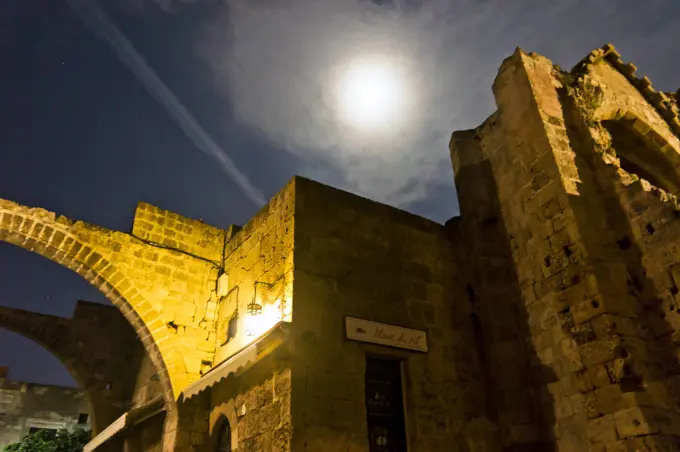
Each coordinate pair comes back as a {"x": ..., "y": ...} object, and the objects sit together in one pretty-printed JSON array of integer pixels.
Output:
[
  {"x": 160, "y": 285},
  {"x": 83, "y": 248},
  {"x": 96, "y": 345},
  {"x": 162, "y": 278}
]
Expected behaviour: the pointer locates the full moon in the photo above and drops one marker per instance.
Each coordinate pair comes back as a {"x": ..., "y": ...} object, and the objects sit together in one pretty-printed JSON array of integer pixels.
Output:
[{"x": 372, "y": 94}]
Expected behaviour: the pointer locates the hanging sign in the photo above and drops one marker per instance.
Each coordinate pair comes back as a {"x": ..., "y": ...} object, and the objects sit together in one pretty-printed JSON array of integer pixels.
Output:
[{"x": 383, "y": 334}]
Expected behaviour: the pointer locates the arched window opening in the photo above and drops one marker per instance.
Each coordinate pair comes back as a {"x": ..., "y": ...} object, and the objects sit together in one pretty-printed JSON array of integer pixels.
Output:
[
  {"x": 642, "y": 158},
  {"x": 224, "y": 436}
]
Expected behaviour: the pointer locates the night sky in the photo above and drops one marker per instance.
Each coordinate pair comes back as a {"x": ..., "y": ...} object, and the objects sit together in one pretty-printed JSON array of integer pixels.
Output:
[{"x": 80, "y": 133}]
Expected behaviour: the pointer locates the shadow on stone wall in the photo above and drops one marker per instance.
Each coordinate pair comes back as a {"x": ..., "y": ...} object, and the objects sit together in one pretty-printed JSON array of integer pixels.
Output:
[
  {"x": 517, "y": 395},
  {"x": 641, "y": 355}
]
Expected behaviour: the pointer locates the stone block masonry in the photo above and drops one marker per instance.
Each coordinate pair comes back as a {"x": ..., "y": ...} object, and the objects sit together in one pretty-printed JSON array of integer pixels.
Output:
[
  {"x": 25, "y": 406},
  {"x": 106, "y": 369},
  {"x": 173, "y": 231},
  {"x": 550, "y": 306},
  {"x": 162, "y": 291},
  {"x": 258, "y": 413},
  {"x": 580, "y": 171},
  {"x": 258, "y": 262},
  {"x": 162, "y": 278},
  {"x": 357, "y": 258}
]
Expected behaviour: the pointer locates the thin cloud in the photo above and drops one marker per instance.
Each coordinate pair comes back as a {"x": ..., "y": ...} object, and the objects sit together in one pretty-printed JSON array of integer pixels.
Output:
[
  {"x": 275, "y": 61},
  {"x": 279, "y": 62},
  {"x": 99, "y": 23}
]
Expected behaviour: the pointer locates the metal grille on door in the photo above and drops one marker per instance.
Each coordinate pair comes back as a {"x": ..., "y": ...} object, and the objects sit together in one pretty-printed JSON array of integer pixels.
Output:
[{"x": 384, "y": 405}]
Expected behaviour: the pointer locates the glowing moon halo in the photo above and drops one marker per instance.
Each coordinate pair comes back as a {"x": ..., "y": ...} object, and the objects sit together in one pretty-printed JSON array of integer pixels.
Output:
[{"x": 371, "y": 94}]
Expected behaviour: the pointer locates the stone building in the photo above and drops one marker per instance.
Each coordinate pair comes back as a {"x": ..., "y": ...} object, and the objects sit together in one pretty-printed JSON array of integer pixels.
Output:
[
  {"x": 570, "y": 218},
  {"x": 28, "y": 407},
  {"x": 105, "y": 357},
  {"x": 542, "y": 318}
]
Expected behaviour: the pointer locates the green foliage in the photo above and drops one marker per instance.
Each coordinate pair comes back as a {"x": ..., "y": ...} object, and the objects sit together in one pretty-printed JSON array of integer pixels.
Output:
[
  {"x": 591, "y": 93},
  {"x": 51, "y": 441},
  {"x": 566, "y": 78}
]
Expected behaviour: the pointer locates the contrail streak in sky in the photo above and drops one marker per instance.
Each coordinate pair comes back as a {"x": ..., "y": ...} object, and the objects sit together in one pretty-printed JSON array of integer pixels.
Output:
[{"x": 99, "y": 23}]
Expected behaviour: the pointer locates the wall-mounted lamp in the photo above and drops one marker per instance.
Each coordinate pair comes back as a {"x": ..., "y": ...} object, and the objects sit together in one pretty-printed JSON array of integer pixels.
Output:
[
  {"x": 259, "y": 319},
  {"x": 253, "y": 309}
]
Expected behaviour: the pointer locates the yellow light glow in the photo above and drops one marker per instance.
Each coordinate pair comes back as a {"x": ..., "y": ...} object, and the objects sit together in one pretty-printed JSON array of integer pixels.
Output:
[
  {"x": 372, "y": 94},
  {"x": 287, "y": 310},
  {"x": 258, "y": 324}
]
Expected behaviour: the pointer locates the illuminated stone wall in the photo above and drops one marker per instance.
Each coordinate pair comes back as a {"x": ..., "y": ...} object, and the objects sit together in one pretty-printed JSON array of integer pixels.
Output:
[
  {"x": 554, "y": 213},
  {"x": 177, "y": 269},
  {"x": 162, "y": 291},
  {"x": 162, "y": 277},
  {"x": 258, "y": 268}
]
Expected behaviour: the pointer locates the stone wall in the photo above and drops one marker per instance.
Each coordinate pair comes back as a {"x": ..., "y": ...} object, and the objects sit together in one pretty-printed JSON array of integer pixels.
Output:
[
  {"x": 358, "y": 258},
  {"x": 173, "y": 231},
  {"x": 594, "y": 292},
  {"x": 178, "y": 267},
  {"x": 146, "y": 437},
  {"x": 147, "y": 382},
  {"x": 257, "y": 407},
  {"x": 25, "y": 405},
  {"x": 258, "y": 268},
  {"x": 633, "y": 139},
  {"x": 161, "y": 277},
  {"x": 515, "y": 378},
  {"x": 96, "y": 345}
]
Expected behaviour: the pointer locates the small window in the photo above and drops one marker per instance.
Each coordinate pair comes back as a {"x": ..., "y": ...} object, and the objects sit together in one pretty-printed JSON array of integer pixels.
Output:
[
  {"x": 232, "y": 327},
  {"x": 224, "y": 437},
  {"x": 34, "y": 430},
  {"x": 83, "y": 418}
]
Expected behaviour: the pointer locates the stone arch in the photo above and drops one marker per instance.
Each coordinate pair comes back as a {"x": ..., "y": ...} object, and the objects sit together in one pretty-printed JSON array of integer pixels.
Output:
[
  {"x": 93, "y": 345},
  {"x": 222, "y": 438},
  {"x": 98, "y": 420},
  {"x": 643, "y": 149},
  {"x": 89, "y": 251},
  {"x": 223, "y": 412}
]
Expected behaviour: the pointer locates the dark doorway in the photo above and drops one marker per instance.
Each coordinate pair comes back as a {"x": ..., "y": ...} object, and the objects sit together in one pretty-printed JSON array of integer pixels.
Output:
[
  {"x": 384, "y": 405},
  {"x": 224, "y": 436}
]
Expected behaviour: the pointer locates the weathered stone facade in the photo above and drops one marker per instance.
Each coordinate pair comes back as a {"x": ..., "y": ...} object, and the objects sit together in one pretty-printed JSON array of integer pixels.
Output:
[
  {"x": 26, "y": 407},
  {"x": 97, "y": 346},
  {"x": 356, "y": 258},
  {"x": 549, "y": 306},
  {"x": 586, "y": 249}
]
